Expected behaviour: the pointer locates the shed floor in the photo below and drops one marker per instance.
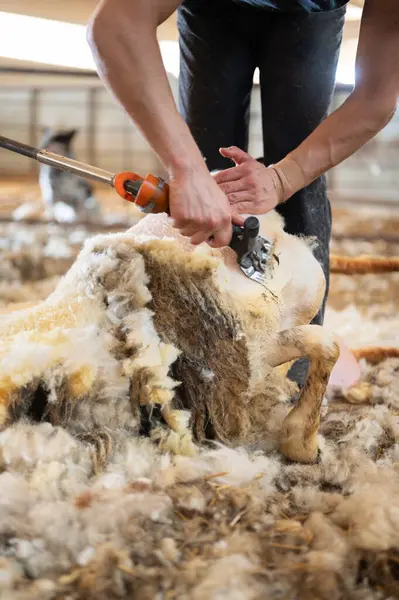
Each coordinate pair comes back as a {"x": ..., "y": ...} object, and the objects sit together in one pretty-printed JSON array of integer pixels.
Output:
[{"x": 229, "y": 523}]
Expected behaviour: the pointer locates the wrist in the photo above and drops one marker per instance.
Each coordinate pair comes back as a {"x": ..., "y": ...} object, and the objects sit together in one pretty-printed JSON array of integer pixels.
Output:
[
  {"x": 186, "y": 165},
  {"x": 291, "y": 177},
  {"x": 183, "y": 156}
]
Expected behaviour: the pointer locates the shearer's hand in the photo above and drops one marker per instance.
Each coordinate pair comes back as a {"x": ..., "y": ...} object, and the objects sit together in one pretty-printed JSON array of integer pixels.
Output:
[
  {"x": 199, "y": 208},
  {"x": 250, "y": 187}
]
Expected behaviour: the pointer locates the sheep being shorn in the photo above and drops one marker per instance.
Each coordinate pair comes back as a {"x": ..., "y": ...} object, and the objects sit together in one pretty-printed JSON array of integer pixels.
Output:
[
  {"x": 96, "y": 512},
  {"x": 149, "y": 334}
]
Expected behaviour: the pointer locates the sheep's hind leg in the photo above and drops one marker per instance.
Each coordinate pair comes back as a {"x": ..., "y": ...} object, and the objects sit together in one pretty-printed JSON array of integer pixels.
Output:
[{"x": 298, "y": 437}]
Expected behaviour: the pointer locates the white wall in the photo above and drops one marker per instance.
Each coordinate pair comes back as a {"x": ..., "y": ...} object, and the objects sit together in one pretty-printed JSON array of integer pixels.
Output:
[
  {"x": 373, "y": 171},
  {"x": 115, "y": 144},
  {"x": 109, "y": 140},
  {"x": 106, "y": 135}
]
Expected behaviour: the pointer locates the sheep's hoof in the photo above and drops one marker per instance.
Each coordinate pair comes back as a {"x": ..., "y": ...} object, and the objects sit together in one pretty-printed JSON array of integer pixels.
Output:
[{"x": 297, "y": 448}]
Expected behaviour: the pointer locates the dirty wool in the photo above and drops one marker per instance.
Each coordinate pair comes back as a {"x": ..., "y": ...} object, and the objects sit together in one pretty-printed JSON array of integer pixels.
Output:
[
  {"x": 229, "y": 522},
  {"x": 111, "y": 516}
]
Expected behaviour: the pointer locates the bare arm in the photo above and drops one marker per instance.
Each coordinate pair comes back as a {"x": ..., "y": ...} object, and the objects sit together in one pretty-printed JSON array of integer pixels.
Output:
[
  {"x": 368, "y": 109},
  {"x": 122, "y": 36},
  {"x": 253, "y": 188}
]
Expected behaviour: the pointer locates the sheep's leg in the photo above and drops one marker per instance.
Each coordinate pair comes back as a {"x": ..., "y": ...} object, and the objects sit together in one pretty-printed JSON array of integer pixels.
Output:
[
  {"x": 282, "y": 370},
  {"x": 298, "y": 439}
]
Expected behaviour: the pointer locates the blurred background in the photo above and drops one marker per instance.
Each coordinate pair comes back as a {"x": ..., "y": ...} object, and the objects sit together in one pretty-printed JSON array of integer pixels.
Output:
[{"x": 47, "y": 79}]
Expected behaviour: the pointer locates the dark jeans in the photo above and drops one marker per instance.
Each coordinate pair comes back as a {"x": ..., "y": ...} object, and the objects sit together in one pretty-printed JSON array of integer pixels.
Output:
[{"x": 221, "y": 44}]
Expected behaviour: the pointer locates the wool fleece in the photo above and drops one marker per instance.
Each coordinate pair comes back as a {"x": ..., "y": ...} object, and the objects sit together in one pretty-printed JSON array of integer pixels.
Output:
[
  {"x": 92, "y": 509},
  {"x": 148, "y": 334},
  {"x": 227, "y": 522}
]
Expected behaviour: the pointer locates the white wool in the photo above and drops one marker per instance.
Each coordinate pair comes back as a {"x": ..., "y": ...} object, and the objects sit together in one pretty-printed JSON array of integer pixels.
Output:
[
  {"x": 337, "y": 463},
  {"x": 77, "y": 236},
  {"x": 23, "y": 447},
  {"x": 63, "y": 213},
  {"x": 59, "y": 480},
  {"x": 82, "y": 347},
  {"x": 391, "y": 457},
  {"x": 310, "y": 500},
  {"x": 372, "y": 513},
  {"x": 10, "y": 573},
  {"x": 27, "y": 210},
  {"x": 228, "y": 579},
  {"x": 42, "y": 588},
  {"x": 235, "y": 466},
  {"x": 86, "y": 556},
  {"x": 58, "y": 247},
  {"x": 203, "y": 525},
  {"x": 119, "y": 510},
  {"x": 151, "y": 351},
  {"x": 39, "y": 498},
  {"x": 132, "y": 460},
  {"x": 351, "y": 324},
  {"x": 15, "y": 496},
  {"x": 367, "y": 435},
  {"x": 20, "y": 238}
]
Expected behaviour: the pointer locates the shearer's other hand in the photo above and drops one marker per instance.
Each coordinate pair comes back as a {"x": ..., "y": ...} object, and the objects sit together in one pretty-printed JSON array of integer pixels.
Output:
[
  {"x": 250, "y": 187},
  {"x": 199, "y": 208}
]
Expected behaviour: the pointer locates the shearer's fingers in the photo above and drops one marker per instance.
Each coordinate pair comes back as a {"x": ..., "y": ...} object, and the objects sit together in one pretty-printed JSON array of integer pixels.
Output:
[
  {"x": 221, "y": 238},
  {"x": 236, "y": 198},
  {"x": 250, "y": 208},
  {"x": 188, "y": 230},
  {"x": 200, "y": 236},
  {"x": 240, "y": 185},
  {"x": 231, "y": 174},
  {"x": 237, "y": 219},
  {"x": 236, "y": 154}
]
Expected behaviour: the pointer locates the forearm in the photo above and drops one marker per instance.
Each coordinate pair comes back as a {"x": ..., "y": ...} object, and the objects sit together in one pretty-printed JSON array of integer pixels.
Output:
[
  {"x": 339, "y": 136},
  {"x": 369, "y": 108},
  {"x": 123, "y": 40}
]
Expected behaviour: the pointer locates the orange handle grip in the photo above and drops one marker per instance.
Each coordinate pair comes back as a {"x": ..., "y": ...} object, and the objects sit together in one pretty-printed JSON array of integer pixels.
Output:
[{"x": 152, "y": 196}]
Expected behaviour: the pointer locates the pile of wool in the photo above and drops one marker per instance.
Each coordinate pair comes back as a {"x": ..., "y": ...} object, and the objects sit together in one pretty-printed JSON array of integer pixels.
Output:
[
  {"x": 229, "y": 522},
  {"x": 110, "y": 516},
  {"x": 32, "y": 259},
  {"x": 378, "y": 327},
  {"x": 363, "y": 309},
  {"x": 115, "y": 517},
  {"x": 354, "y": 221},
  {"x": 21, "y": 200},
  {"x": 33, "y": 256}
]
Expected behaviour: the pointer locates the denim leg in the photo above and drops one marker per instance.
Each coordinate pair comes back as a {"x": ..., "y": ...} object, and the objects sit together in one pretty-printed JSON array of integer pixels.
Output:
[
  {"x": 217, "y": 62},
  {"x": 298, "y": 64},
  {"x": 297, "y": 72},
  {"x": 221, "y": 43}
]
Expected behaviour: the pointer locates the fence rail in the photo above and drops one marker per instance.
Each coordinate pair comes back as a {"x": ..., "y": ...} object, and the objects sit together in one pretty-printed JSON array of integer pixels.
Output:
[{"x": 107, "y": 138}]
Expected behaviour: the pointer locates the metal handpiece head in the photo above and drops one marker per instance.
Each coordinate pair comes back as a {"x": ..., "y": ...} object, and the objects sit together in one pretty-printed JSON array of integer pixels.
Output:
[{"x": 253, "y": 251}]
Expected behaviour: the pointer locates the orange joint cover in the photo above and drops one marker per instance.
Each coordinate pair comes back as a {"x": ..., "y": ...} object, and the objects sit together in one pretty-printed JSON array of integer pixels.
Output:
[
  {"x": 119, "y": 184},
  {"x": 153, "y": 191}
]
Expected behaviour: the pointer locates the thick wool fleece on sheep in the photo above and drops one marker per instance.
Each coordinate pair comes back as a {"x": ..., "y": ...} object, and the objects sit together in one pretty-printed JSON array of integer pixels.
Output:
[{"x": 145, "y": 333}]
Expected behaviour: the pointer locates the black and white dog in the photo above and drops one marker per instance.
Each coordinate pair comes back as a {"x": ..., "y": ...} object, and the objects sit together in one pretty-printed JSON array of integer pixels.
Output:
[{"x": 66, "y": 197}]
